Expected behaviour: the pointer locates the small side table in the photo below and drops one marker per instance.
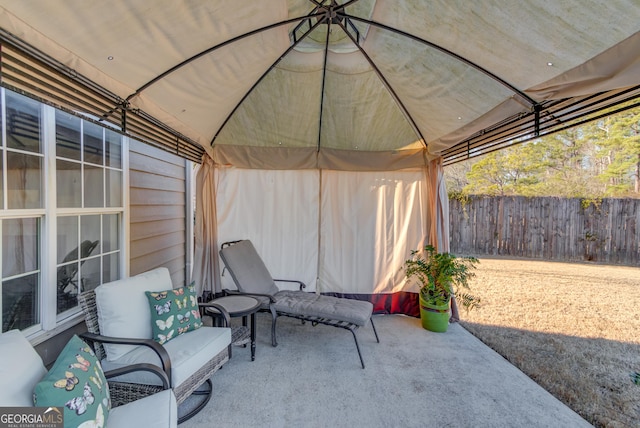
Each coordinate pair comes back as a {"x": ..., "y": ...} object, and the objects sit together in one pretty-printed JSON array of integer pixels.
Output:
[{"x": 240, "y": 306}]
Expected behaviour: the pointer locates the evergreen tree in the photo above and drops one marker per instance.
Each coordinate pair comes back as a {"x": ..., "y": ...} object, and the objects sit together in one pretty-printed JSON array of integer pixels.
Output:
[{"x": 599, "y": 159}]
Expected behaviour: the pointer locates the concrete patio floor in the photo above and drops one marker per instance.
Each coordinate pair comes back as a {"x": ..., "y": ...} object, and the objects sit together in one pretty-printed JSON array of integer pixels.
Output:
[{"x": 413, "y": 378}]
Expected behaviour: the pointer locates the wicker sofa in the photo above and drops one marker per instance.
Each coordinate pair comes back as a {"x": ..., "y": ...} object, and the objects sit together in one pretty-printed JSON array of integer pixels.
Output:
[
  {"x": 119, "y": 326},
  {"x": 21, "y": 369}
]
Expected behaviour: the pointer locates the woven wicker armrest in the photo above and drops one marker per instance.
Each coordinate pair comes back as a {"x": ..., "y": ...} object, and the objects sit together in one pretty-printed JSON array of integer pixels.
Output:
[
  {"x": 301, "y": 284},
  {"x": 155, "y": 346},
  {"x": 140, "y": 367}
]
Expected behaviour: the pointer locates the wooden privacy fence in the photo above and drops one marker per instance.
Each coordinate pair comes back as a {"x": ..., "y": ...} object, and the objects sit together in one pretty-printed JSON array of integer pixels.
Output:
[{"x": 561, "y": 229}]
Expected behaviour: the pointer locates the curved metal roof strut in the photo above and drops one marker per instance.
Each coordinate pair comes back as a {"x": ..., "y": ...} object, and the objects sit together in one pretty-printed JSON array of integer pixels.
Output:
[
  {"x": 218, "y": 46},
  {"x": 324, "y": 79},
  {"x": 385, "y": 83},
  {"x": 470, "y": 63},
  {"x": 289, "y": 49}
]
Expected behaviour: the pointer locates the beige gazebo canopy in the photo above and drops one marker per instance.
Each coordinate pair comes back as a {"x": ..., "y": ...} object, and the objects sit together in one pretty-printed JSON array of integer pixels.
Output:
[
  {"x": 347, "y": 85},
  {"x": 335, "y": 116}
]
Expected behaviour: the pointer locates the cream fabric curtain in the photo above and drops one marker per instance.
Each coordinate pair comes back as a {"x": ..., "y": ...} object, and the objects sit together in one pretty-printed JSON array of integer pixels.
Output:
[
  {"x": 338, "y": 231},
  {"x": 206, "y": 266},
  {"x": 278, "y": 210},
  {"x": 439, "y": 216},
  {"x": 370, "y": 223}
]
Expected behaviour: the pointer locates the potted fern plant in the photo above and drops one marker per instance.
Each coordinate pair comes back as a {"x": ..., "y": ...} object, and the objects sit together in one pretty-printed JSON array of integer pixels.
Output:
[{"x": 441, "y": 275}]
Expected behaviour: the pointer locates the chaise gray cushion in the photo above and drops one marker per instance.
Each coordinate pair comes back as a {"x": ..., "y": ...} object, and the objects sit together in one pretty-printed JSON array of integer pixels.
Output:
[
  {"x": 248, "y": 270},
  {"x": 357, "y": 312}
]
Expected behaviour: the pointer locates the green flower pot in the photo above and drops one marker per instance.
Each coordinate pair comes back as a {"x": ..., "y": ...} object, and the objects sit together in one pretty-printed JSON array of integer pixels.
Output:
[{"x": 434, "y": 317}]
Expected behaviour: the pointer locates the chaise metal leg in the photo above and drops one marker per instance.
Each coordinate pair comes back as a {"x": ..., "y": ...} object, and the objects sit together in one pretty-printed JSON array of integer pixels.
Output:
[
  {"x": 353, "y": 331},
  {"x": 274, "y": 315},
  {"x": 374, "y": 329}
]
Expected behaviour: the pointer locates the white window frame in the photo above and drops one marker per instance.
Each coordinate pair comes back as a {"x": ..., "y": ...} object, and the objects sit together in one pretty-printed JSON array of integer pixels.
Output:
[{"x": 51, "y": 323}]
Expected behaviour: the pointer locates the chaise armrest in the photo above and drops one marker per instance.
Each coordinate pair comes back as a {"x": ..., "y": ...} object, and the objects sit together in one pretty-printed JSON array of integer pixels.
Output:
[
  {"x": 301, "y": 284},
  {"x": 240, "y": 293},
  {"x": 155, "y": 346}
]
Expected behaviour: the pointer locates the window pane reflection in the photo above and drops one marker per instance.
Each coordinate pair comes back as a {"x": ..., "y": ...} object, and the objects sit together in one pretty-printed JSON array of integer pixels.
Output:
[
  {"x": 19, "y": 246},
  {"x": 110, "y": 268},
  {"x": 24, "y": 180},
  {"x": 1, "y": 181},
  {"x": 20, "y": 303},
  {"x": 20, "y": 257},
  {"x": 23, "y": 123},
  {"x": 90, "y": 273},
  {"x": 114, "y": 188},
  {"x": 93, "y": 186},
  {"x": 72, "y": 258},
  {"x": 67, "y": 136},
  {"x": 93, "y": 151},
  {"x": 90, "y": 229},
  {"x": 67, "y": 239},
  {"x": 110, "y": 232},
  {"x": 67, "y": 286},
  {"x": 113, "y": 145},
  {"x": 68, "y": 184}
]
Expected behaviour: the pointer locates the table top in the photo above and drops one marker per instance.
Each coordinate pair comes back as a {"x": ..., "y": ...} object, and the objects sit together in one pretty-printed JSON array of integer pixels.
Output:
[{"x": 237, "y": 306}]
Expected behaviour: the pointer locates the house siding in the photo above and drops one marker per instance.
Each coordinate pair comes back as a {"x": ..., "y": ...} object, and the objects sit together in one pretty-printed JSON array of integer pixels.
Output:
[{"x": 157, "y": 207}]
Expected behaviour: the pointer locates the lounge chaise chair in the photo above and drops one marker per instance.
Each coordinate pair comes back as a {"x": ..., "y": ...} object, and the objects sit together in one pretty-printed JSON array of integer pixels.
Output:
[{"x": 252, "y": 277}]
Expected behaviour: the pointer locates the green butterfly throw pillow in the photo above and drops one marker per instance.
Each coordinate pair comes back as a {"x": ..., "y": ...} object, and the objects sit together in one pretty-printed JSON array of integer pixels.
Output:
[
  {"x": 173, "y": 312},
  {"x": 77, "y": 383}
]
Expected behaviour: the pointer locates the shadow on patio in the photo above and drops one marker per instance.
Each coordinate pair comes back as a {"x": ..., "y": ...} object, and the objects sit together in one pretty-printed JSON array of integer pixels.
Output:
[{"x": 414, "y": 378}]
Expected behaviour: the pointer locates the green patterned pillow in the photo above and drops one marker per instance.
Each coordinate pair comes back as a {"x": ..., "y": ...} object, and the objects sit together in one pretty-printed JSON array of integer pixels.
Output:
[
  {"x": 173, "y": 312},
  {"x": 77, "y": 383}
]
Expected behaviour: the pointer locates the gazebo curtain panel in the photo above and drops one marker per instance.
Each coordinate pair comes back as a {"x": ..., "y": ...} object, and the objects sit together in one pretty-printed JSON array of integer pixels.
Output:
[{"x": 341, "y": 232}]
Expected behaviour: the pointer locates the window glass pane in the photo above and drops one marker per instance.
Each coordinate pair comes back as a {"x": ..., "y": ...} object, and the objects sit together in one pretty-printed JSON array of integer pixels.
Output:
[
  {"x": 67, "y": 136},
  {"x": 20, "y": 302},
  {"x": 93, "y": 151},
  {"x": 90, "y": 273},
  {"x": 67, "y": 239},
  {"x": 90, "y": 231},
  {"x": 1, "y": 180},
  {"x": 93, "y": 186},
  {"x": 110, "y": 233},
  {"x": 19, "y": 246},
  {"x": 24, "y": 181},
  {"x": 114, "y": 149},
  {"x": 110, "y": 267},
  {"x": 68, "y": 184},
  {"x": 20, "y": 255},
  {"x": 23, "y": 123},
  {"x": 67, "y": 286},
  {"x": 114, "y": 188}
]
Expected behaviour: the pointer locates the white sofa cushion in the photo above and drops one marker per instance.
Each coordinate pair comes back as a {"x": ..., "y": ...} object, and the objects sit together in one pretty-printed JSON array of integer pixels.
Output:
[
  {"x": 123, "y": 308},
  {"x": 157, "y": 410},
  {"x": 188, "y": 353},
  {"x": 21, "y": 369}
]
